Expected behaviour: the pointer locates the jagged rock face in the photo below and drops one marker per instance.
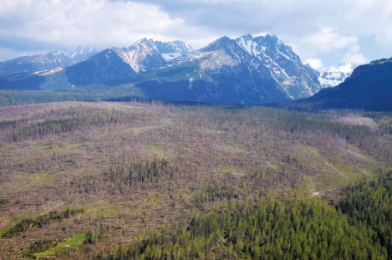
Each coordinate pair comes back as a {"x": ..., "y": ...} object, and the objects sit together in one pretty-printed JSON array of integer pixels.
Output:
[
  {"x": 60, "y": 58},
  {"x": 250, "y": 71},
  {"x": 296, "y": 79},
  {"x": 222, "y": 72},
  {"x": 145, "y": 55},
  {"x": 172, "y": 50},
  {"x": 333, "y": 76},
  {"x": 142, "y": 56}
]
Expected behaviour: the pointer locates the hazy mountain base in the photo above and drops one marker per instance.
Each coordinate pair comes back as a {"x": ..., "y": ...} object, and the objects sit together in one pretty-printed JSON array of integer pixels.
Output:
[
  {"x": 18, "y": 98},
  {"x": 104, "y": 161}
]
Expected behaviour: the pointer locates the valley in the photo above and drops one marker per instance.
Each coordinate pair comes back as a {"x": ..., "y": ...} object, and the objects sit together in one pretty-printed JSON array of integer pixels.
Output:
[{"x": 122, "y": 179}]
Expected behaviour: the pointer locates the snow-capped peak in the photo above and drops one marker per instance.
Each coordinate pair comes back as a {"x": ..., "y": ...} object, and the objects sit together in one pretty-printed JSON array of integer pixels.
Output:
[
  {"x": 180, "y": 45},
  {"x": 334, "y": 75},
  {"x": 344, "y": 68},
  {"x": 146, "y": 54},
  {"x": 173, "y": 50},
  {"x": 75, "y": 52},
  {"x": 247, "y": 43},
  {"x": 278, "y": 58},
  {"x": 247, "y": 36},
  {"x": 140, "y": 41}
]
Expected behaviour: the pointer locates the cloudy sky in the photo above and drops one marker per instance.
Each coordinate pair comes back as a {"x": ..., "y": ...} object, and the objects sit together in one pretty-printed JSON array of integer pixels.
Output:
[{"x": 322, "y": 32}]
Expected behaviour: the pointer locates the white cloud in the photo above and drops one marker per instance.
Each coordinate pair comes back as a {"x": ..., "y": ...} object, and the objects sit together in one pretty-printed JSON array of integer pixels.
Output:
[
  {"x": 355, "y": 58},
  {"x": 7, "y": 54},
  {"x": 328, "y": 41},
  {"x": 384, "y": 39},
  {"x": 100, "y": 23},
  {"x": 324, "y": 41},
  {"x": 315, "y": 28},
  {"x": 330, "y": 27},
  {"x": 316, "y": 64}
]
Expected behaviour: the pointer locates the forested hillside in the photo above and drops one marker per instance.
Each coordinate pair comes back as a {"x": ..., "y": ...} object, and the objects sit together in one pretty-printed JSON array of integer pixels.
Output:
[
  {"x": 145, "y": 180},
  {"x": 370, "y": 203},
  {"x": 18, "y": 98},
  {"x": 359, "y": 228}
]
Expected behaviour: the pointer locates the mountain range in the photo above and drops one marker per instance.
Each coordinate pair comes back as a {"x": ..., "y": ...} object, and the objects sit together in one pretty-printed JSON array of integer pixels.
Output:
[
  {"x": 246, "y": 70},
  {"x": 116, "y": 64},
  {"x": 47, "y": 61}
]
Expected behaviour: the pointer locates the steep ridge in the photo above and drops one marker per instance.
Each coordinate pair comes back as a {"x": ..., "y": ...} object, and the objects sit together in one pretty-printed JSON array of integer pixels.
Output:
[
  {"x": 295, "y": 78},
  {"x": 104, "y": 66}
]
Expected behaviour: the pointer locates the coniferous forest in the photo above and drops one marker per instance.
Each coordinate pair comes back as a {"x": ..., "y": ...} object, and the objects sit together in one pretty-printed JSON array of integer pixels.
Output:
[{"x": 153, "y": 180}]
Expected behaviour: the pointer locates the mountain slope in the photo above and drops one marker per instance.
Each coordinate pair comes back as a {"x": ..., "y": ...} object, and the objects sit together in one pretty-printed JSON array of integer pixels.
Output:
[
  {"x": 118, "y": 64},
  {"x": 172, "y": 50},
  {"x": 60, "y": 58},
  {"x": 104, "y": 66},
  {"x": 221, "y": 73},
  {"x": 368, "y": 88},
  {"x": 296, "y": 79},
  {"x": 333, "y": 76},
  {"x": 246, "y": 70}
]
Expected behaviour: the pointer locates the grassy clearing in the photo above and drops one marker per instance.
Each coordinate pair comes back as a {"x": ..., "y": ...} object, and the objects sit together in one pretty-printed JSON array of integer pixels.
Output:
[
  {"x": 29, "y": 182},
  {"x": 234, "y": 171},
  {"x": 159, "y": 150},
  {"x": 329, "y": 174},
  {"x": 101, "y": 209},
  {"x": 72, "y": 242}
]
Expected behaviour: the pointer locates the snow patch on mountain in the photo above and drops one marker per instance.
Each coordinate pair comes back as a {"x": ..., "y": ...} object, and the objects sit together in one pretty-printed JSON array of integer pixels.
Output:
[
  {"x": 335, "y": 75},
  {"x": 171, "y": 56},
  {"x": 284, "y": 55},
  {"x": 285, "y": 66},
  {"x": 146, "y": 54},
  {"x": 246, "y": 42},
  {"x": 130, "y": 57}
]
